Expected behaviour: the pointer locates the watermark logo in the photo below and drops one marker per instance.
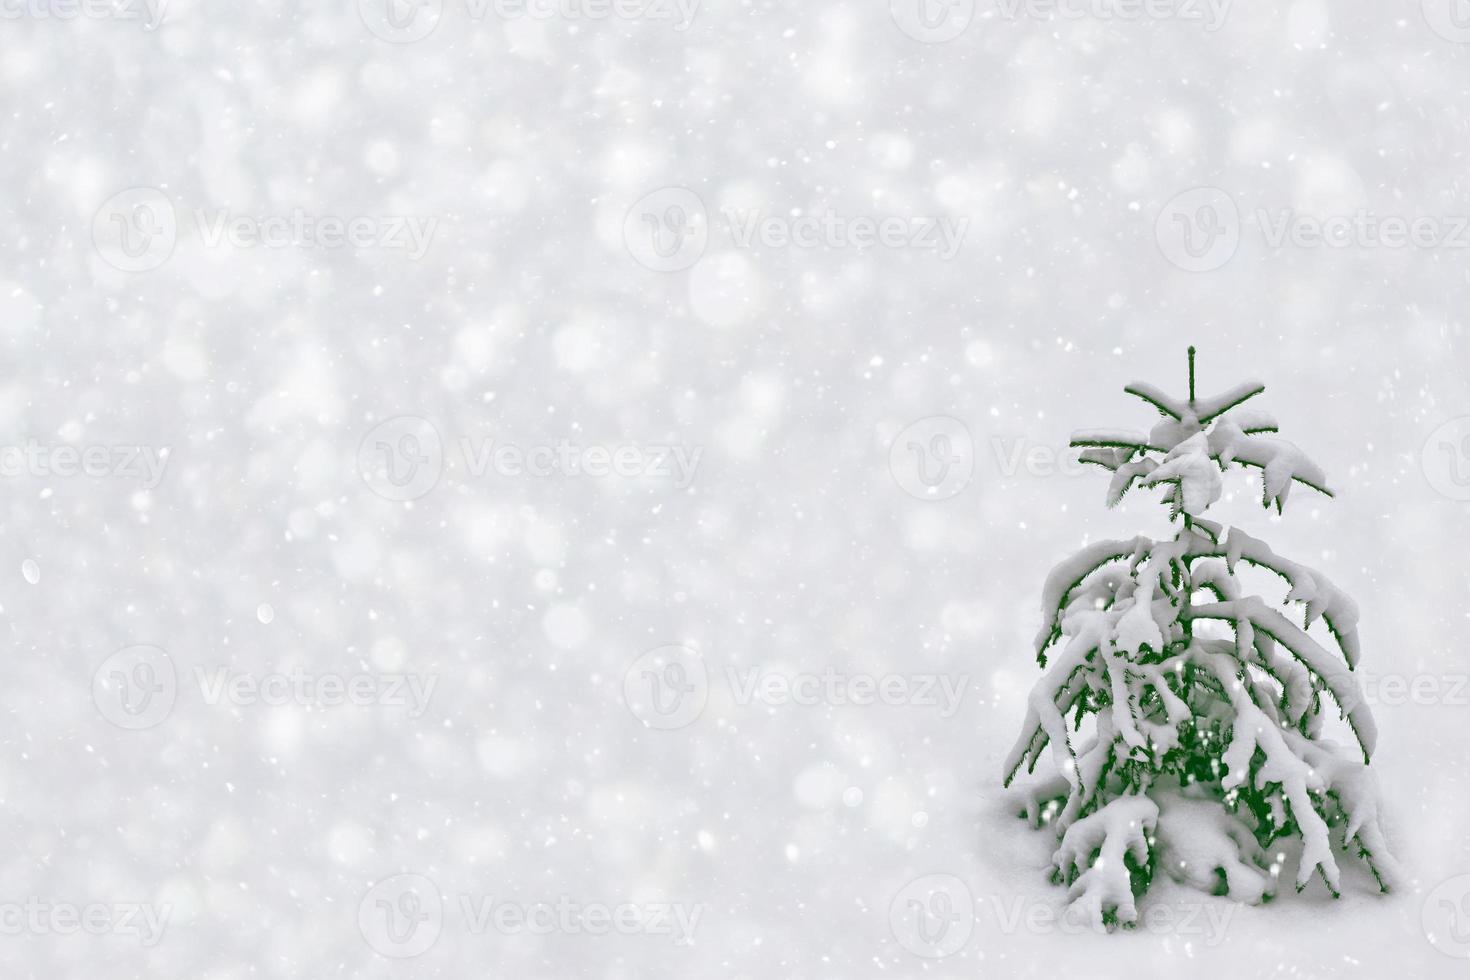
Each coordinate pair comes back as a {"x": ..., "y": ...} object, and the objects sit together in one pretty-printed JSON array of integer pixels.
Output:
[
  {"x": 31, "y": 458},
  {"x": 401, "y": 459},
  {"x": 136, "y": 687},
  {"x": 135, "y": 230},
  {"x": 149, "y": 13},
  {"x": 1423, "y": 690},
  {"x": 1446, "y": 917},
  {"x": 39, "y": 917},
  {"x": 1450, "y": 19},
  {"x": 404, "y": 458},
  {"x": 1201, "y": 229},
  {"x": 933, "y": 916},
  {"x": 933, "y": 459},
  {"x": 833, "y": 230},
  {"x": 1209, "y": 13},
  {"x": 407, "y": 21},
  {"x": 835, "y": 688},
  {"x": 568, "y": 916},
  {"x": 667, "y": 230},
  {"x": 1361, "y": 229},
  {"x": 1198, "y": 230},
  {"x": 400, "y": 21},
  {"x": 938, "y": 21},
  {"x": 932, "y": 21},
  {"x": 1015, "y": 455},
  {"x": 667, "y": 688},
  {"x": 226, "y": 685},
  {"x": 1445, "y": 458},
  {"x": 401, "y": 917}
]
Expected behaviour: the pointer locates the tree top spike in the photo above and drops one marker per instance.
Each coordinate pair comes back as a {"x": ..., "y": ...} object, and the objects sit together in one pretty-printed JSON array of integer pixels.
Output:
[{"x": 1191, "y": 374}]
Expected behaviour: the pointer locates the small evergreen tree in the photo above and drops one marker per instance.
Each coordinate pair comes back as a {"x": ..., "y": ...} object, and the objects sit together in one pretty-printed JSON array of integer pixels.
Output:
[{"x": 1201, "y": 754}]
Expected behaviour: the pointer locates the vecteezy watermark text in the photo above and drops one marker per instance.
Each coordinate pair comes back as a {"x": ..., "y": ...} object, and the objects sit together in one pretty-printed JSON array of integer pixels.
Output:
[
  {"x": 149, "y": 13},
  {"x": 403, "y": 459},
  {"x": 39, "y": 917},
  {"x": 136, "y": 230},
  {"x": 1422, "y": 689},
  {"x": 938, "y": 21},
  {"x": 407, "y": 21},
  {"x": 668, "y": 687},
  {"x": 1201, "y": 229},
  {"x": 138, "y": 686},
  {"x": 935, "y": 915},
  {"x": 668, "y": 230},
  {"x": 943, "y": 235},
  {"x": 32, "y": 458},
  {"x": 403, "y": 916},
  {"x": 830, "y": 686},
  {"x": 226, "y": 685}
]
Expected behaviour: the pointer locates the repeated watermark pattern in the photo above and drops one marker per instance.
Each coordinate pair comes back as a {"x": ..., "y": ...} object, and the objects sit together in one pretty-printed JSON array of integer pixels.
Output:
[
  {"x": 1445, "y": 458},
  {"x": 830, "y": 229},
  {"x": 403, "y": 459},
  {"x": 1445, "y": 917},
  {"x": 938, "y": 21},
  {"x": 936, "y": 458},
  {"x": 144, "y": 464},
  {"x": 835, "y": 688},
  {"x": 138, "y": 687},
  {"x": 1015, "y": 455},
  {"x": 35, "y": 916},
  {"x": 137, "y": 230},
  {"x": 1423, "y": 690},
  {"x": 1450, "y": 19},
  {"x": 404, "y": 915},
  {"x": 1200, "y": 230},
  {"x": 668, "y": 688},
  {"x": 409, "y": 21},
  {"x": 933, "y": 458},
  {"x": 148, "y": 14},
  {"x": 935, "y": 916},
  {"x": 933, "y": 21},
  {"x": 229, "y": 686},
  {"x": 669, "y": 230}
]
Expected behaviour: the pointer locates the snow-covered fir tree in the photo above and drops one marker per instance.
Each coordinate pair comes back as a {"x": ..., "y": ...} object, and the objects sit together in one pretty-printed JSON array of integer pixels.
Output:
[{"x": 1196, "y": 743}]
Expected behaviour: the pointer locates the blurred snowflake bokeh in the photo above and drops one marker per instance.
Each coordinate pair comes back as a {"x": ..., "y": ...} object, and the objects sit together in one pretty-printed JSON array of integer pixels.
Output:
[{"x": 460, "y": 515}]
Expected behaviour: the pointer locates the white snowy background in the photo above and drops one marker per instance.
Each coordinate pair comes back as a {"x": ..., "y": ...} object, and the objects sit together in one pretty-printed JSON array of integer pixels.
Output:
[{"x": 535, "y": 315}]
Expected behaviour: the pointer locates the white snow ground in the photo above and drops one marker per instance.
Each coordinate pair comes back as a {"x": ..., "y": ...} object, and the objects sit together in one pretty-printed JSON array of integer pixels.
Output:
[{"x": 533, "y": 294}]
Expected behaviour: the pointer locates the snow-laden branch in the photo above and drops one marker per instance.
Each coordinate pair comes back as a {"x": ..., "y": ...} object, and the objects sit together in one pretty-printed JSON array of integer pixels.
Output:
[
  {"x": 1336, "y": 608},
  {"x": 1095, "y": 854},
  {"x": 1281, "y": 463},
  {"x": 1253, "y": 731},
  {"x": 1253, "y": 613},
  {"x": 1351, "y": 786},
  {"x": 1201, "y": 409},
  {"x": 1200, "y": 843},
  {"x": 1069, "y": 574}
]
